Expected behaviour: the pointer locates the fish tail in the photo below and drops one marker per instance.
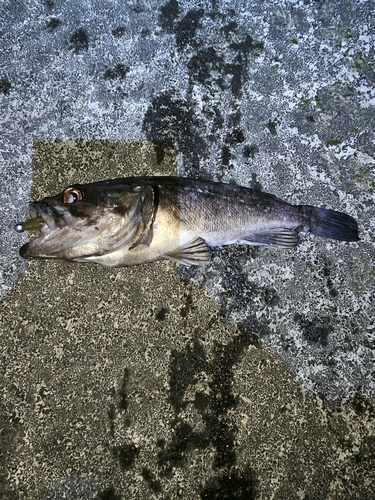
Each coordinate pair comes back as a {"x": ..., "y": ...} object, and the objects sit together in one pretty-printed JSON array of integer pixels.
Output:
[{"x": 330, "y": 224}]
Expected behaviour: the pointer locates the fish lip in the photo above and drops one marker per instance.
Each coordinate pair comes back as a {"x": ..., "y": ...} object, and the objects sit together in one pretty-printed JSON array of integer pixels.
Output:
[
  {"x": 53, "y": 221},
  {"x": 24, "y": 251}
]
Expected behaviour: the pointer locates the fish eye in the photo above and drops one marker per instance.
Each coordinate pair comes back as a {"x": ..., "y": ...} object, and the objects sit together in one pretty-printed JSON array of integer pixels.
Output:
[{"x": 71, "y": 195}]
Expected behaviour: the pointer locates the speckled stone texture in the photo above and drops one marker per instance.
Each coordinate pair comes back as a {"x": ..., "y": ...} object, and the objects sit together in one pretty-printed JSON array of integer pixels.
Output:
[{"x": 252, "y": 377}]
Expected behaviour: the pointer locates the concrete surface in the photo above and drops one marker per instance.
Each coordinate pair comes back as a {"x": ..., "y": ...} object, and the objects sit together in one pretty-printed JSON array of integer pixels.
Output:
[{"x": 252, "y": 377}]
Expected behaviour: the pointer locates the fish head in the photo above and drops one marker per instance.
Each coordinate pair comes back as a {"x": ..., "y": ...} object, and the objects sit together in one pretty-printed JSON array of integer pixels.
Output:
[{"x": 87, "y": 220}]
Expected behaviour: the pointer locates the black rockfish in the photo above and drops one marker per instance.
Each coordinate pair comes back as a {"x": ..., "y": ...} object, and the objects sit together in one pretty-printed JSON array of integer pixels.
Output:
[{"x": 123, "y": 222}]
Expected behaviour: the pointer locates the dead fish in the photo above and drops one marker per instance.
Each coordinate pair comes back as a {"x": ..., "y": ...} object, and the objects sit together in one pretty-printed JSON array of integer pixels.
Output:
[{"x": 123, "y": 222}]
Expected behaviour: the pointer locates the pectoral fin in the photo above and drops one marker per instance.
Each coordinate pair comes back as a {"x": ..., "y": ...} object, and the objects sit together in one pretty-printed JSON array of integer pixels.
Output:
[
  {"x": 194, "y": 253},
  {"x": 274, "y": 237}
]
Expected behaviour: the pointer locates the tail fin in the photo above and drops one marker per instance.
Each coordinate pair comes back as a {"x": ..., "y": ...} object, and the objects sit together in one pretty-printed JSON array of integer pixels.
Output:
[{"x": 331, "y": 224}]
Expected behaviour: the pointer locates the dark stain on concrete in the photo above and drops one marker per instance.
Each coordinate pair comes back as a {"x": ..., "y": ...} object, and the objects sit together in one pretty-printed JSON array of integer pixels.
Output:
[
  {"x": 11, "y": 434},
  {"x": 123, "y": 403},
  {"x": 316, "y": 330},
  {"x": 5, "y": 85},
  {"x": 79, "y": 41},
  {"x": 177, "y": 452},
  {"x": 247, "y": 47},
  {"x": 229, "y": 28},
  {"x": 204, "y": 65},
  {"x": 232, "y": 139},
  {"x": 126, "y": 455},
  {"x": 168, "y": 14},
  {"x": 186, "y": 368},
  {"x": 188, "y": 306},
  {"x": 235, "y": 137},
  {"x": 225, "y": 156},
  {"x": 171, "y": 118},
  {"x": 237, "y": 484},
  {"x": 327, "y": 273},
  {"x": 272, "y": 127},
  {"x": 108, "y": 494},
  {"x": 238, "y": 290},
  {"x": 161, "y": 148},
  {"x": 250, "y": 150},
  {"x": 53, "y": 23},
  {"x": 153, "y": 483},
  {"x": 117, "y": 72},
  {"x": 119, "y": 31},
  {"x": 186, "y": 28},
  {"x": 161, "y": 314},
  {"x": 111, "y": 416},
  {"x": 208, "y": 66}
]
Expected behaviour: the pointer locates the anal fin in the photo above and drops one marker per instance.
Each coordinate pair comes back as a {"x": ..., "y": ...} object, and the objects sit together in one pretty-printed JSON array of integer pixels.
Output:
[
  {"x": 274, "y": 237},
  {"x": 194, "y": 253}
]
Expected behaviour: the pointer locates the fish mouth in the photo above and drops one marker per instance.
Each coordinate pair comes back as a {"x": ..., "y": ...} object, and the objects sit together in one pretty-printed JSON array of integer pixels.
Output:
[{"x": 47, "y": 222}]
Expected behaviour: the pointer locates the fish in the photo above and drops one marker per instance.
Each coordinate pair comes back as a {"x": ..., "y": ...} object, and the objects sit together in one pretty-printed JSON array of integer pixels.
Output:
[{"x": 135, "y": 220}]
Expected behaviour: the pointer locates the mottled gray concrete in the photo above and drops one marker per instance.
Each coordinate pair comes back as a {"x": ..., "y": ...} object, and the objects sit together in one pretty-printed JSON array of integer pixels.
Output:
[{"x": 164, "y": 382}]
